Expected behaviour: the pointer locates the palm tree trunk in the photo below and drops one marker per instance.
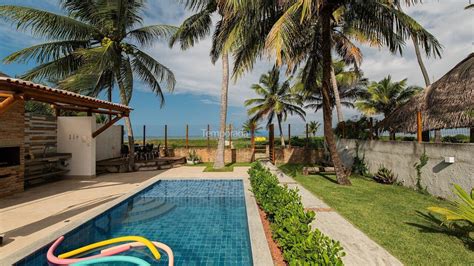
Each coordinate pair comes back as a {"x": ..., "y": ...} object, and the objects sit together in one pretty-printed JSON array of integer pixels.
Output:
[
  {"x": 424, "y": 72},
  {"x": 282, "y": 139},
  {"x": 327, "y": 110},
  {"x": 128, "y": 125},
  {"x": 219, "y": 162},
  {"x": 337, "y": 98}
]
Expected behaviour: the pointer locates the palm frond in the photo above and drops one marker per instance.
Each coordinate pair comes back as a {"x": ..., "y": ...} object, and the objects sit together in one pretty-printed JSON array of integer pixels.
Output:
[
  {"x": 46, "y": 52},
  {"x": 46, "y": 24},
  {"x": 146, "y": 36}
]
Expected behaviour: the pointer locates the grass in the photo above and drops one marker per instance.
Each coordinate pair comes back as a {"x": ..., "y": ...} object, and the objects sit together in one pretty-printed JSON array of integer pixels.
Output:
[
  {"x": 228, "y": 167},
  {"x": 393, "y": 216}
]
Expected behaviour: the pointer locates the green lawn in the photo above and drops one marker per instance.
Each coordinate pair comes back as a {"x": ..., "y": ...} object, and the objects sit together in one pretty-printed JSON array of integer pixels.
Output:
[
  {"x": 394, "y": 216},
  {"x": 228, "y": 167}
]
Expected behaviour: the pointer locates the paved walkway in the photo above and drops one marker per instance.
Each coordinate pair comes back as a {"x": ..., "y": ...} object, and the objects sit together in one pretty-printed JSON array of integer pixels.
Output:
[{"x": 359, "y": 248}]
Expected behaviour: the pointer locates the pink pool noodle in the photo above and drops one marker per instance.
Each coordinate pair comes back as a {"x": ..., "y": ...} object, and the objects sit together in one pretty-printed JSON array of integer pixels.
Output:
[{"x": 52, "y": 259}]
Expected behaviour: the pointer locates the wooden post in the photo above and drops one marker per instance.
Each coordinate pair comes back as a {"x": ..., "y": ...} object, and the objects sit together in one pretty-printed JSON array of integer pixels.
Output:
[
  {"x": 208, "y": 136},
  {"x": 371, "y": 128},
  {"x": 289, "y": 135},
  {"x": 166, "y": 140},
  {"x": 144, "y": 135},
  {"x": 230, "y": 136},
  {"x": 419, "y": 125},
  {"x": 187, "y": 136},
  {"x": 252, "y": 138},
  {"x": 271, "y": 143},
  {"x": 122, "y": 133},
  {"x": 307, "y": 136}
]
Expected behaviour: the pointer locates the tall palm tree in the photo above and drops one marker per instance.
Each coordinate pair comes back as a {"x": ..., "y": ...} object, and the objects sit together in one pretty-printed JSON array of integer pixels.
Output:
[
  {"x": 277, "y": 100},
  {"x": 313, "y": 127},
  {"x": 95, "y": 46},
  {"x": 303, "y": 36},
  {"x": 385, "y": 96},
  {"x": 350, "y": 84},
  {"x": 197, "y": 27}
]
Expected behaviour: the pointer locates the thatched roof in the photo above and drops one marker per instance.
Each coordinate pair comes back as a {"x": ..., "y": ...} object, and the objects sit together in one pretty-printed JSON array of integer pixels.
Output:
[
  {"x": 3, "y": 75},
  {"x": 447, "y": 103}
]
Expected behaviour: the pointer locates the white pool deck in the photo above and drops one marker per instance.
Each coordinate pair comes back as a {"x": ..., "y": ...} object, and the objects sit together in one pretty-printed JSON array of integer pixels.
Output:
[{"x": 36, "y": 217}]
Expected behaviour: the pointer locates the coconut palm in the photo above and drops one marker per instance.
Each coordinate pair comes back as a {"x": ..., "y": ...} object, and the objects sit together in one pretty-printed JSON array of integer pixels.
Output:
[
  {"x": 277, "y": 100},
  {"x": 197, "y": 27},
  {"x": 251, "y": 127},
  {"x": 303, "y": 36},
  {"x": 350, "y": 83},
  {"x": 313, "y": 127},
  {"x": 94, "y": 46},
  {"x": 385, "y": 96}
]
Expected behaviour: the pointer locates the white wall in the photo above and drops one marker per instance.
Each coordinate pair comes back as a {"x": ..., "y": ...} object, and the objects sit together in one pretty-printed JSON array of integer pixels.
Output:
[
  {"x": 108, "y": 143},
  {"x": 437, "y": 175},
  {"x": 75, "y": 137}
]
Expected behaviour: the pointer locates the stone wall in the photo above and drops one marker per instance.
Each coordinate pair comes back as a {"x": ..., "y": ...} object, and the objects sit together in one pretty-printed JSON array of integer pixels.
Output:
[
  {"x": 12, "y": 134},
  {"x": 437, "y": 176}
]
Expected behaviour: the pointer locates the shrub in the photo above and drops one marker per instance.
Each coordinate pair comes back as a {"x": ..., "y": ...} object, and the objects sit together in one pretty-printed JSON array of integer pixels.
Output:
[
  {"x": 456, "y": 139},
  {"x": 290, "y": 223},
  {"x": 418, "y": 166},
  {"x": 462, "y": 209},
  {"x": 385, "y": 176},
  {"x": 360, "y": 166}
]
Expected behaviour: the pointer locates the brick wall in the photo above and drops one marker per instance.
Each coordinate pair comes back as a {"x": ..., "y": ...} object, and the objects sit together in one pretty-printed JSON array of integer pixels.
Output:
[
  {"x": 246, "y": 155},
  {"x": 12, "y": 134}
]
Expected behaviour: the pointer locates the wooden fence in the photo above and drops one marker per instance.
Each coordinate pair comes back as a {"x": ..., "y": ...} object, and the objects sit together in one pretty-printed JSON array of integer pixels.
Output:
[{"x": 40, "y": 133}]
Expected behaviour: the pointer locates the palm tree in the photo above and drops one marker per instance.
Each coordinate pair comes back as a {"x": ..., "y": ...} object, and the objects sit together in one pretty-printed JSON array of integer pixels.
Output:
[
  {"x": 251, "y": 127},
  {"x": 277, "y": 100},
  {"x": 303, "y": 35},
  {"x": 93, "y": 47},
  {"x": 385, "y": 96},
  {"x": 197, "y": 27},
  {"x": 350, "y": 83},
  {"x": 313, "y": 127}
]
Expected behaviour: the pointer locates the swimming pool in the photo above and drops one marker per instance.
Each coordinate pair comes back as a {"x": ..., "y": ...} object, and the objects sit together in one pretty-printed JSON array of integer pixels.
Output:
[{"x": 203, "y": 221}]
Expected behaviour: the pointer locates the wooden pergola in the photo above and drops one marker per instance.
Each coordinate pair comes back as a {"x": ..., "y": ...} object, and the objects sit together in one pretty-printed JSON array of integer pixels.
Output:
[{"x": 12, "y": 90}]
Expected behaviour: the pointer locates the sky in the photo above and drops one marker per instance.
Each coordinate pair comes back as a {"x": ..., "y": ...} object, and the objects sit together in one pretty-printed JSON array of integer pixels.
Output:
[{"x": 195, "y": 100}]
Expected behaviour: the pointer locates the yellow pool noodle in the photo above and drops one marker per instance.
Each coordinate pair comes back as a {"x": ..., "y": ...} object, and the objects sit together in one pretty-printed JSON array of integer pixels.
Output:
[{"x": 107, "y": 242}]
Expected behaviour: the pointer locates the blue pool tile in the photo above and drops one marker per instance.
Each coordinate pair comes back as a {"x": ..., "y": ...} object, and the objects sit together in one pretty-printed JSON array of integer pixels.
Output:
[{"x": 203, "y": 221}]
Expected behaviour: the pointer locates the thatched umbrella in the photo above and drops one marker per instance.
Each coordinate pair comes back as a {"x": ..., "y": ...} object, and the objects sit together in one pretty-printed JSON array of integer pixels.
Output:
[{"x": 447, "y": 103}]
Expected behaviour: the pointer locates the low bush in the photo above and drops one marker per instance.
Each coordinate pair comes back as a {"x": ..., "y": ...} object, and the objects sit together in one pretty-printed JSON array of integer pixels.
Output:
[
  {"x": 290, "y": 222},
  {"x": 385, "y": 176},
  {"x": 456, "y": 139}
]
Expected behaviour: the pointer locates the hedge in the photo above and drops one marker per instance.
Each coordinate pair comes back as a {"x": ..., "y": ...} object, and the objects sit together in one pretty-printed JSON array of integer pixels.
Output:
[{"x": 290, "y": 222}]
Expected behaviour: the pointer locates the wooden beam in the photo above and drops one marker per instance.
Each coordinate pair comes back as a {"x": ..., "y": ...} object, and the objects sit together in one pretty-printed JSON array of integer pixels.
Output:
[
  {"x": 107, "y": 125},
  {"x": 85, "y": 109},
  {"x": 7, "y": 103}
]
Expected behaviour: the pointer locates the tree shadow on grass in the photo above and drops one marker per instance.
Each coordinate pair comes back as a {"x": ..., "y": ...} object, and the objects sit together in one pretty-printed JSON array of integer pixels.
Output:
[
  {"x": 330, "y": 178},
  {"x": 434, "y": 225}
]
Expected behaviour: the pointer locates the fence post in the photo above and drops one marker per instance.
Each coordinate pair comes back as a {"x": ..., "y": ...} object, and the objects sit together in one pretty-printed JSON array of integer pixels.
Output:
[
  {"x": 230, "y": 136},
  {"x": 187, "y": 136},
  {"x": 289, "y": 135},
  {"x": 166, "y": 140},
  {"x": 252, "y": 138},
  {"x": 144, "y": 135},
  {"x": 271, "y": 142},
  {"x": 419, "y": 125},
  {"x": 371, "y": 128},
  {"x": 307, "y": 136},
  {"x": 208, "y": 136}
]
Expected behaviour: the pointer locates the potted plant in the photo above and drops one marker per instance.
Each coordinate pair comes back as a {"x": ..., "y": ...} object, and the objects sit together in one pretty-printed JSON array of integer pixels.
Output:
[{"x": 193, "y": 158}]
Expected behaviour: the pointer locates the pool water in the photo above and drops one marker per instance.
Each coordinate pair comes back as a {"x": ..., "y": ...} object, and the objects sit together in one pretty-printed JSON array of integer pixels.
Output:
[{"x": 203, "y": 221}]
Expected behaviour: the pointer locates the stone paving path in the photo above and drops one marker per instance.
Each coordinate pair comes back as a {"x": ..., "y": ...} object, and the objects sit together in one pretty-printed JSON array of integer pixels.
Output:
[{"x": 359, "y": 248}]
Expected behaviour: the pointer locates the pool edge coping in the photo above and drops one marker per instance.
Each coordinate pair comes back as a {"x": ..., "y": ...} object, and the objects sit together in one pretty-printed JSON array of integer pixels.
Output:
[{"x": 260, "y": 251}]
